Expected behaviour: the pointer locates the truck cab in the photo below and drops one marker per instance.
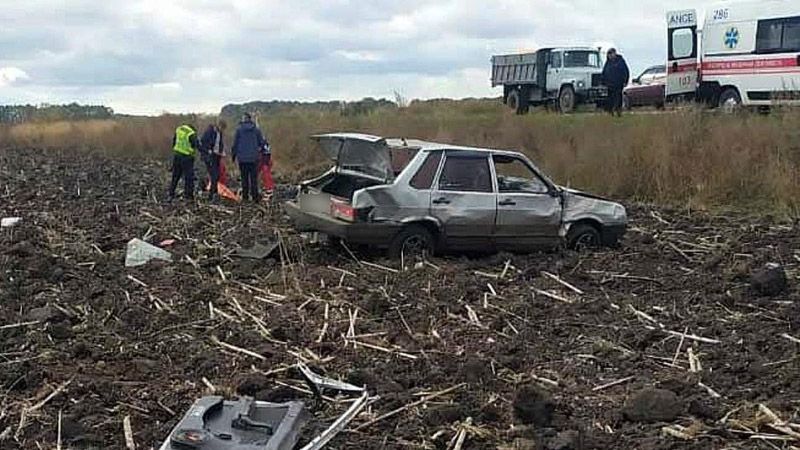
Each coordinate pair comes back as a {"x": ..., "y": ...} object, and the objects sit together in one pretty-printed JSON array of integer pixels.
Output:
[{"x": 573, "y": 76}]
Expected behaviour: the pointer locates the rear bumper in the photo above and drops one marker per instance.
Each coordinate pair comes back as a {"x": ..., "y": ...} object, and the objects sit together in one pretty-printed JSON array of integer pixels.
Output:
[
  {"x": 376, "y": 234},
  {"x": 612, "y": 234}
]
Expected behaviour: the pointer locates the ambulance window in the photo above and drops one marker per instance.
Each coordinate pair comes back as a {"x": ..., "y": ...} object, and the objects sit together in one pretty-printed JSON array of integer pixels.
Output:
[
  {"x": 791, "y": 35},
  {"x": 769, "y": 35},
  {"x": 682, "y": 43}
]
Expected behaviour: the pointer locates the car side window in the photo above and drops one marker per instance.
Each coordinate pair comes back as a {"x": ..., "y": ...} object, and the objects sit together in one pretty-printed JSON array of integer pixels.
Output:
[
  {"x": 466, "y": 173},
  {"x": 515, "y": 176},
  {"x": 423, "y": 179}
]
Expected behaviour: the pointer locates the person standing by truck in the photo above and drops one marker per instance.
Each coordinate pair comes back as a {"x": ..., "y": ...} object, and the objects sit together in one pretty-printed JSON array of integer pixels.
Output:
[
  {"x": 248, "y": 146},
  {"x": 615, "y": 77}
]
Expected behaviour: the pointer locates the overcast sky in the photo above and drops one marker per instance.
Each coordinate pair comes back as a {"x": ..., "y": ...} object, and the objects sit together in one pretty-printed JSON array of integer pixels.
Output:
[{"x": 149, "y": 56}]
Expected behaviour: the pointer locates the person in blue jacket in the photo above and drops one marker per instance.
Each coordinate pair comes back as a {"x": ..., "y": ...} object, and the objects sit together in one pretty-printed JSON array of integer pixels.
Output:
[
  {"x": 615, "y": 76},
  {"x": 248, "y": 146}
]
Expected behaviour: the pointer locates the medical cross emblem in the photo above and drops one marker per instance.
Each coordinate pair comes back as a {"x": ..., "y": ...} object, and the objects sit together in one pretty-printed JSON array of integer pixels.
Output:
[{"x": 732, "y": 38}]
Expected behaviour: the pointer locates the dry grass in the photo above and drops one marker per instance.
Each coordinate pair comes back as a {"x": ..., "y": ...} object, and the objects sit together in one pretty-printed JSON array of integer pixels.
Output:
[{"x": 686, "y": 158}]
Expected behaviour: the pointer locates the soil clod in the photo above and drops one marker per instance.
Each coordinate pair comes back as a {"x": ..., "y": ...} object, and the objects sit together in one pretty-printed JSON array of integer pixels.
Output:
[
  {"x": 534, "y": 406},
  {"x": 770, "y": 281},
  {"x": 653, "y": 405}
]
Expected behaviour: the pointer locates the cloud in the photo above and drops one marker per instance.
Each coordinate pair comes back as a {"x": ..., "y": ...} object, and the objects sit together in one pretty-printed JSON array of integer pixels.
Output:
[
  {"x": 144, "y": 56},
  {"x": 10, "y": 75}
]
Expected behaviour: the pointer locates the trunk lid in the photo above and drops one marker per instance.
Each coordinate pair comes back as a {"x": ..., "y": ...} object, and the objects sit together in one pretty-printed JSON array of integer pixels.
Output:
[{"x": 358, "y": 154}]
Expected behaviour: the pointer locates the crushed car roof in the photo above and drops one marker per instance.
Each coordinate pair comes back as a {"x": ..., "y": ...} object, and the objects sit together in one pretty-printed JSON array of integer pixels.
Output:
[{"x": 405, "y": 143}]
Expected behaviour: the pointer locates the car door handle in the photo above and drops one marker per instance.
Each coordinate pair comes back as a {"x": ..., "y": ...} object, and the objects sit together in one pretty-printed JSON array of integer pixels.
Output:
[
  {"x": 507, "y": 202},
  {"x": 441, "y": 201}
]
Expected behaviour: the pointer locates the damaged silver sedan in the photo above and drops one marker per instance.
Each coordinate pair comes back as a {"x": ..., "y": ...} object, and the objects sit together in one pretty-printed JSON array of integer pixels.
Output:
[{"x": 413, "y": 197}]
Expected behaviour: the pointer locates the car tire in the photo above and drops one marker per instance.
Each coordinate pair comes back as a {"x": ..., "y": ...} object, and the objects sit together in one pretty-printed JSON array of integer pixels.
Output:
[
  {"x": 582, "y": 236},
  {"x": 413, "y": 241},
  {"x": 730, "y": 101},
  {"x": 566, "y": 100}
]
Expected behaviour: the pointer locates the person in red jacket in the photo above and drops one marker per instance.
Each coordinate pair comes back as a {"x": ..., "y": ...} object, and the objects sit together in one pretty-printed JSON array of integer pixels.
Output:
[
  {"x": 265, "y": 165},
  {"x": 265, "y": 169}
]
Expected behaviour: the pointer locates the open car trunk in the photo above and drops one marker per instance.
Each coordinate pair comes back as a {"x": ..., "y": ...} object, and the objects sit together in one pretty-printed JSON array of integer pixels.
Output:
[{"x": 361, "y": 161}]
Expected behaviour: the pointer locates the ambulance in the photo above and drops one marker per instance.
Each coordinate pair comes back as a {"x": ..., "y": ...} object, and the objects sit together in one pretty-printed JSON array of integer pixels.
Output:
[{"x": 747, "y": 54}]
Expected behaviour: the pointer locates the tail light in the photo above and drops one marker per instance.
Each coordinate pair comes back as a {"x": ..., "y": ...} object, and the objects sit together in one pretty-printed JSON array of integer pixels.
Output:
[{"x": 343, "y": 210}]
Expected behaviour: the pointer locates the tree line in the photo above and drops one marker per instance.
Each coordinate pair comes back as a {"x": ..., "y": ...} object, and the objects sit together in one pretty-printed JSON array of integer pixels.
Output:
[{"x": 48, "y": 113}]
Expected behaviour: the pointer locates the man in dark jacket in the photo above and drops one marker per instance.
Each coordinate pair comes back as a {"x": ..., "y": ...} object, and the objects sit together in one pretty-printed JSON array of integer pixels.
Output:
[
  {"x": 213, "y": 148},
  {"x": 248, "y": 146},
  {"x": 615, "y": 77},
  {"x": 184, "y": 147}
]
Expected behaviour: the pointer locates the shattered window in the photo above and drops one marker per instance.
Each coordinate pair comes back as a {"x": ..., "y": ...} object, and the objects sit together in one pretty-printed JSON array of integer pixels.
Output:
[
  {"x": 514, "y": 176},
  {"x": 466, "y": 173},
  {"x": 424, "y": 177}
]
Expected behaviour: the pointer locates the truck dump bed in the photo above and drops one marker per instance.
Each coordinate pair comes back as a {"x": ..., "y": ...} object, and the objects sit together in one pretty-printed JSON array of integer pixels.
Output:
[{"x": 514, "y": 69}]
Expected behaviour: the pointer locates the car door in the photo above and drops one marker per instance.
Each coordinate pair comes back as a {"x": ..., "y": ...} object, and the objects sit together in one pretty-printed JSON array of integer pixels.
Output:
[
  {"x": 464, "y": 200},
  {"x": 646, "y": 88},
  {"x": 528, "y": 207}
]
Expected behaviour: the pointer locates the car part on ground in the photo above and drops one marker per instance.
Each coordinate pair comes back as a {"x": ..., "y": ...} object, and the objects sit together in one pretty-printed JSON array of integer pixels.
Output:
[
  {"x": 214, "y": 423},
  {"x": 442, "y": 197}
]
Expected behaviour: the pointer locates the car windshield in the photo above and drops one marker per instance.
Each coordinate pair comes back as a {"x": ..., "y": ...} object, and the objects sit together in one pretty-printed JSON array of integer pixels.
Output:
[{"x": 581, "y": 58}]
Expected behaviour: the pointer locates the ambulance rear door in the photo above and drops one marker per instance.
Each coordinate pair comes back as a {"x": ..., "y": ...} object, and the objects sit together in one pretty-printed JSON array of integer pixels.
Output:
[{"x": 682, "y": 53}]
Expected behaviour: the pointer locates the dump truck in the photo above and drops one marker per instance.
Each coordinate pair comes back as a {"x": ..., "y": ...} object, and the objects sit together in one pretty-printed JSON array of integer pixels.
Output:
[{"x": 563, "y": 77}]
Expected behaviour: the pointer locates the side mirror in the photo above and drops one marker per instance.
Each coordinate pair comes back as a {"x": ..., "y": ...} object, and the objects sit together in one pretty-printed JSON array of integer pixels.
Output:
[{"x": 637, "y": 80}]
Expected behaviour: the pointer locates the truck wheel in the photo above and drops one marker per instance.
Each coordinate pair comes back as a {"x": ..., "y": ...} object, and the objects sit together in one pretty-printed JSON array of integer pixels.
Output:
[
  {"x": 730, "y": 101},
  {"x": 566, "y": 100},
  {"x": 582, "y": 236},
  {"x": 413, "y": 241},
  {"x": 516, "y": 102}
]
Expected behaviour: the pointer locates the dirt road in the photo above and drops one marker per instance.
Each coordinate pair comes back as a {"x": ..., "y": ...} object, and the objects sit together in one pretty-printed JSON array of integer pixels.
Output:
[{"x": 545, "y": 350}]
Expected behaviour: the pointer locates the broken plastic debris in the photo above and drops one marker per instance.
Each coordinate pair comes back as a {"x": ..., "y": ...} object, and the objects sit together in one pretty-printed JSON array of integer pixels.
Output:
[
  {"x": 8, "y": 222},
  {"x": 215, "y": 423},
  {"x": 340, "y": 424},
  {"x": 167, "y": 243},
  {"x": 218, "y": 424},
  {"x": 321, "y": 382},
  {"x": 140, "y": 253}
]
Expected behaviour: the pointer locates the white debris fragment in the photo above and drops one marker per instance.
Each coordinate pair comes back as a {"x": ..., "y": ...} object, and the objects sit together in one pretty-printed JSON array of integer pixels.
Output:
[
  {"x": 8, "y": 222},
  {"x": 140, "y": 253}
]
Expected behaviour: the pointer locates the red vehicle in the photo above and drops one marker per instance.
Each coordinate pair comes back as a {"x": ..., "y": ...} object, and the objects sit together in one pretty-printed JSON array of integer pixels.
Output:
[{"x": 648, "y": 89}]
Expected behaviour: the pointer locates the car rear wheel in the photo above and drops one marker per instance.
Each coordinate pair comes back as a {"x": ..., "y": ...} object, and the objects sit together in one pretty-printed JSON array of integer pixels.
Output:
[
  {"x": 413, "y": 242},
  {"x": 583, "y": 236},
  {"x": 566, "y": 100}
]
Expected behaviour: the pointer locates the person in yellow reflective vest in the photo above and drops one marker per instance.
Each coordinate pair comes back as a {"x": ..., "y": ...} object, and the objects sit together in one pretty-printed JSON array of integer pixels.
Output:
[{"x": 184, "y": 148}]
